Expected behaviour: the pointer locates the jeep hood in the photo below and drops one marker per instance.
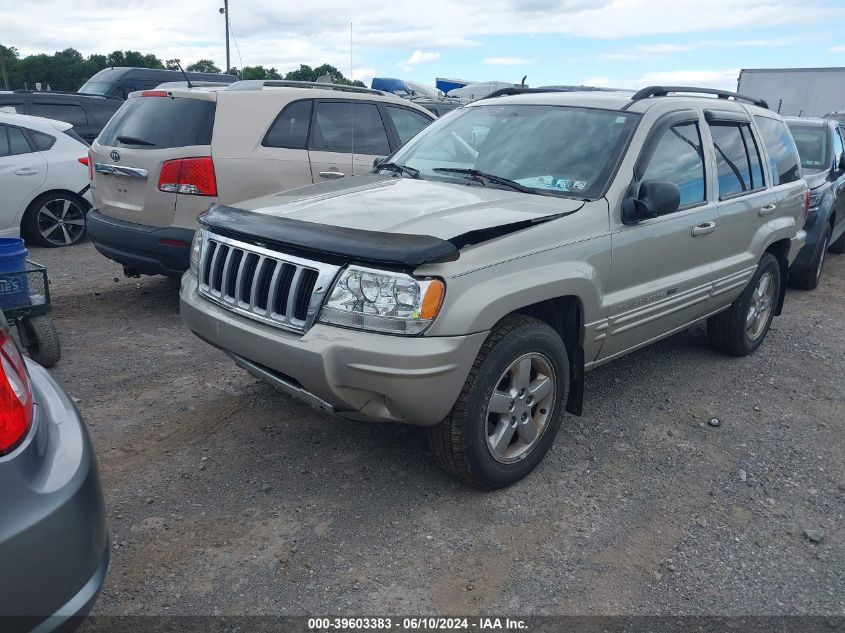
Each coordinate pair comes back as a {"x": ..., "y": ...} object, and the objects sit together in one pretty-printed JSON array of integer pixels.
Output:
[{"x": 386, "y": 219}]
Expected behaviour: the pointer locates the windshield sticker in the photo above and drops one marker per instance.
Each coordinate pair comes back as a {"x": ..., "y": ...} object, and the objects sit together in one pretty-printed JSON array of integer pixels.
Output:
[{"x": 552, "y": 182}]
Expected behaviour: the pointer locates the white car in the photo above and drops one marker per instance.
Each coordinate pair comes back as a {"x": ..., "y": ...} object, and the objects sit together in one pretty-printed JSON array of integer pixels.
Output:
[{"x": 44, "y": 180}]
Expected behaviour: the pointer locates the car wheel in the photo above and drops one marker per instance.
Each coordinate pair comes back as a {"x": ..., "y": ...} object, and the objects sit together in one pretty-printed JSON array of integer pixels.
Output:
[
  {"x": 55, "y": 219},
  {"x": 838, "y": 246},
  {"x": 741, "y": 328},
  {"x": 807, "y": 278},
  {"x": 510, "y": 408}
]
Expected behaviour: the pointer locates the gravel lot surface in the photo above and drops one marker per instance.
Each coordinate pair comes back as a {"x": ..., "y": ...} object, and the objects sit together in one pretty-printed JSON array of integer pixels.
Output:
[{"x": 225, "y": 496}]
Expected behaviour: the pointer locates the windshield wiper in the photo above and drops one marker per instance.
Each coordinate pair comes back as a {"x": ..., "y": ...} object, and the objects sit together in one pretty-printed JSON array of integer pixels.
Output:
[
  {"x": 484, "y": 178},
  {"x": 131, "y": 140},
  {"x": 400, "y": 169}
]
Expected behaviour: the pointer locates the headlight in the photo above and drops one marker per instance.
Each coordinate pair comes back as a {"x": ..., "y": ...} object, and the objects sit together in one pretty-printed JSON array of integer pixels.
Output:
[
  {"x": 196, "y": 251},
  {"x": 383, "y": 301}
]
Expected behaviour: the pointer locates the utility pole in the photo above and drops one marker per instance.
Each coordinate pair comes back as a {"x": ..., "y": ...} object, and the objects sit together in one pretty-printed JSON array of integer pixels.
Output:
[
  {"x": 225, "y": 12},
  {"x": 3, "y": 70}
]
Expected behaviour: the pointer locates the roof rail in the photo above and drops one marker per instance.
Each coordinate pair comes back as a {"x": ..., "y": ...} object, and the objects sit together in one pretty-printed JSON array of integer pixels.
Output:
[
  {"x": 663, "y": 91},
  {"x": 518, "y": 90},
  {"x": 63, "y": 92},
  {"x": 258, "y": 84}
]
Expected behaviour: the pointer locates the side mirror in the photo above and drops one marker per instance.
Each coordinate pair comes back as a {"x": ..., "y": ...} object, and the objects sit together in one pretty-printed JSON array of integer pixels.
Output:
[
  {"x": 651, "y": 199},
  {"x": 377, "y": 161}
]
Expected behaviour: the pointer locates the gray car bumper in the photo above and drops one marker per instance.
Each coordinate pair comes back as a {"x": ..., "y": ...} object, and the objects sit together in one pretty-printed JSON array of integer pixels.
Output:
[
  {"x": 356, "y": 375},
  {"x": 53, "y": 539}
]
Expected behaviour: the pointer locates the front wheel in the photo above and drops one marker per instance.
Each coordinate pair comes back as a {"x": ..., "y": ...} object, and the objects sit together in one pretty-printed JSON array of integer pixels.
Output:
[
  {"x": 740, "y": 329},
  {"x": 510, "y": 408}
]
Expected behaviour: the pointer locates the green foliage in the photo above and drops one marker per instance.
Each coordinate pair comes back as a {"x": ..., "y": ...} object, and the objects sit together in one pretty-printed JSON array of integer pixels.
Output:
[
  {"x": 68, "y": 69},
  {"x": 203, "y": 66}
]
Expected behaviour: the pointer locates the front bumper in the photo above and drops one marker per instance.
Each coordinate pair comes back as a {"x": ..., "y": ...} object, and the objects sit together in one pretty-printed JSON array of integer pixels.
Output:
[
  {"x": 143, "y": 250},
  {"x": 54, "y": 549},
  {"x": 356, "y": 375}
]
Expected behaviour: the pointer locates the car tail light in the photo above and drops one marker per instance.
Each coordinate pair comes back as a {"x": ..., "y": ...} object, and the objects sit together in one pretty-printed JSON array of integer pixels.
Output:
[
  {"x": 153, "y": 93},
  {"x": 15, "y": 394},
  {"x": 192, "y": 176}
]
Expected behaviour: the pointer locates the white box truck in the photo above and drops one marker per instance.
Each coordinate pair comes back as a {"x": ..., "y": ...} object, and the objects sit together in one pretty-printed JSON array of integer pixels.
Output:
[{"x": 796, "y": 91}]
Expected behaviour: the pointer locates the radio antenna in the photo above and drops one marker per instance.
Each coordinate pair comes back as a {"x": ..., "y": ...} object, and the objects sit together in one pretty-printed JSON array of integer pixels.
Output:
[
  {"x": 184, "y": 74},
  {"x": 351, "y": 101}
]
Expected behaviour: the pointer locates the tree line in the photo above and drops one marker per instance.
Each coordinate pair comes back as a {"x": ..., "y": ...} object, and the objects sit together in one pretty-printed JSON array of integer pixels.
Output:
[{"x": 67, "y": 70}]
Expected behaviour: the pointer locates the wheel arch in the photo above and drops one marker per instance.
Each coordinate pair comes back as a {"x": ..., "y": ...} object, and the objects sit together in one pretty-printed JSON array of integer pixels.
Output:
[{"x": 780, "y": 249}]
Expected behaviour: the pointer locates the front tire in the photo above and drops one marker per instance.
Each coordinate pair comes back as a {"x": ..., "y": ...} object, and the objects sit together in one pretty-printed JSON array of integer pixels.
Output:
[
  {"x": 740, "y": 329},
  {"x": 55, "y": 219},
  {"x": 510, "y": 408}
]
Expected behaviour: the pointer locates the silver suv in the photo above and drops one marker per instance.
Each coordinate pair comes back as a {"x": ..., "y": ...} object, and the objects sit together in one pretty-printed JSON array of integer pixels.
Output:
[
  {"x": 469, "y": 283},
  {"x": 168, "y": 154}
]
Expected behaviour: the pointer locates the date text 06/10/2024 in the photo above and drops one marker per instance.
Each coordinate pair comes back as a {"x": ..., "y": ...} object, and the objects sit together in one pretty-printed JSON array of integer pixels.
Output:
[{"x": 416, "y": 624}]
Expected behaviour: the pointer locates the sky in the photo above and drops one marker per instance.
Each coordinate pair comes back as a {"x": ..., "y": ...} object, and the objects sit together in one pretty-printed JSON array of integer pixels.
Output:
[{"x": 615, "y": 43}]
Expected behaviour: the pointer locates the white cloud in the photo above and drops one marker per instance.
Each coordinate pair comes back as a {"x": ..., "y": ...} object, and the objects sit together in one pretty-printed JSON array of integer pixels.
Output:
[
  {"x": 836, "y": 49},
  {"x": 506, "y": 61},
  {"x": 645, "y": 50},
  {"x": 597, "y": 81},
  {"x": 417, "y": 57}
]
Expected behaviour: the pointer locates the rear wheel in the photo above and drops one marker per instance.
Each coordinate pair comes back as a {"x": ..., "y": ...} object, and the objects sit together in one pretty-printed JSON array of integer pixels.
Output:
[
  {"x": 740, "y": 329},
  {"x": 510, "y": 408},
  {"x": 55, "y": 219},
  {"x": 808, "y": 278}
]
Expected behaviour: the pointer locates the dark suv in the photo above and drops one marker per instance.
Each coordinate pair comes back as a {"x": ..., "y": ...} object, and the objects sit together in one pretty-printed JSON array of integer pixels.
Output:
[
  {"x": 821, "y": 145},
  {"x": 87, "y": 113}
]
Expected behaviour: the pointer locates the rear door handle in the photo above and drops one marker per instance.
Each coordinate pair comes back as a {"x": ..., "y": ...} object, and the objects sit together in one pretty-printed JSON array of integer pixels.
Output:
[
  {"x": 766, "y": 209},
  {"x": 703, "y": 229},
  {"x": 26, "y": 171},
  {"x": 332, "y": 175}
]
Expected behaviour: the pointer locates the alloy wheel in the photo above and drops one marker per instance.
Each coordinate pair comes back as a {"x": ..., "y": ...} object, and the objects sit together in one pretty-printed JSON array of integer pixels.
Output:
[
  {"x": 61, "y": 221},
  {"x": 762, "y": 300},
  {"x": 520, "y": 407}
]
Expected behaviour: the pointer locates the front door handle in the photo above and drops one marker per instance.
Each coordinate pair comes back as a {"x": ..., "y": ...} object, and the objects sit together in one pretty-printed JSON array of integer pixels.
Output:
[
  {"x": 26, "y": 171},
  {"x": 332, "y": 175},
  {"x": 703, "y": 229},
  {"x": 766, "y": 209}
]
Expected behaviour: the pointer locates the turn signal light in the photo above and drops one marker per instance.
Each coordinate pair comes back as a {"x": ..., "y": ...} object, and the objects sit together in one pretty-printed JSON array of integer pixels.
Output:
[
  {"x": 191, "y": 176},
  {"x": 15, "y": 395}
]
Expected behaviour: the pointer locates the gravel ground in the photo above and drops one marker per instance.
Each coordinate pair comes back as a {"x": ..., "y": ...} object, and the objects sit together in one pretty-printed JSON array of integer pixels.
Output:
[{"x": 225, "y": 496}]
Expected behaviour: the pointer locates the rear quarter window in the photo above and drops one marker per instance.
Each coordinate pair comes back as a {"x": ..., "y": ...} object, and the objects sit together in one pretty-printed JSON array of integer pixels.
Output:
[
  {"x": 160, "y": 123},
  {"x": 783, "y": 155}
]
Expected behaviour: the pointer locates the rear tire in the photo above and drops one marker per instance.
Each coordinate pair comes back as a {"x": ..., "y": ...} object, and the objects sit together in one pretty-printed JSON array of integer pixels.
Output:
[
  {"x": 55, "y": 219},
  {"x": 741, "y": 328},
  {"x": 807, "y": 278},
  {"x": 510, "y": 408}
]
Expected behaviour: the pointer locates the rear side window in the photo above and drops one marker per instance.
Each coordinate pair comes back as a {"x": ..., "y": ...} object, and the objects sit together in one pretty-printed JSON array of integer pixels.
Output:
[
  {"x": 160, "y": 123},
  {"x": 67, "y": 112},
  {"x": 407, "y": 123},
  {"x": 17, "y": 142},
  {"x": 783, "y": 155},
  {"x": 290, "y": 129},
  {"x": 43, "y": 141},
  {"x": 678, "y": 158},
  {"x": 737, "y": 159},
  {"x": 335, "y": 122}
]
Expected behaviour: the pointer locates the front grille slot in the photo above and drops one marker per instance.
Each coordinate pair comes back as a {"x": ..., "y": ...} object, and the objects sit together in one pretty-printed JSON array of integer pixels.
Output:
[{"x": 271, "y": 287}]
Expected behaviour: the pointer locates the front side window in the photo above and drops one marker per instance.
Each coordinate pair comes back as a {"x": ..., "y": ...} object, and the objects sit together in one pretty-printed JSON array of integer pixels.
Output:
[
  {"x": 783, "y": 155},
  {"x": 568, "y": 151},
  {"x": 407, "y": 123},
  {"x": 679, "y": 159},
  {"x": 290, "y": 129},
  {"x": 736, "y": 153},
  {"x": 347, "y": 127}
]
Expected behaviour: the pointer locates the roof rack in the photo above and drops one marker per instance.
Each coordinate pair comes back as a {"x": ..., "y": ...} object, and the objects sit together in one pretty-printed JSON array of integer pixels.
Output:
[
  {"x": 257, "y": 84},
  {"x": 518, "y": 90},
  {"x": 663, "y": 91}
]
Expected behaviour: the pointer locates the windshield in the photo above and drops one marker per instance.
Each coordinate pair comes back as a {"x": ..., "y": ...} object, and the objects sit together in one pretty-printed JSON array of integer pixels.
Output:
[
  {"x": 812, "y": 146},
  {"x": 96, "y": 88},
  {"x": 557, "y": 150}
]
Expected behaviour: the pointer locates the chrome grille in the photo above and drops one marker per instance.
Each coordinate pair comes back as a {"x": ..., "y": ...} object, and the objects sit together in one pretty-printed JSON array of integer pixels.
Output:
[{"x": 263, "y": 284}]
